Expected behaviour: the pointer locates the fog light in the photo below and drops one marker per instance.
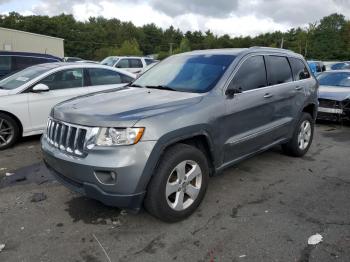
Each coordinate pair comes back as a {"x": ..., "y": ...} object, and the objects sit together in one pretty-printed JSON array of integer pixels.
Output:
[{"x": 106, "y": 177}]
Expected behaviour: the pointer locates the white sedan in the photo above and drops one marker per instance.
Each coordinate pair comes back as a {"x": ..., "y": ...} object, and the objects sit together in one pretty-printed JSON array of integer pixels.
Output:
[{"x": 26, "y": 97}]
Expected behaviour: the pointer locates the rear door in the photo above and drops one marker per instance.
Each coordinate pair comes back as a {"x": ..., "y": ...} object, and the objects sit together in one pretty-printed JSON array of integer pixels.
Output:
[
  {"x": 249, "y": 114},
  {"x": 283, "y": 92},
  {"x": 64, "y": 84},
  {"x": 133, "y": 65}
]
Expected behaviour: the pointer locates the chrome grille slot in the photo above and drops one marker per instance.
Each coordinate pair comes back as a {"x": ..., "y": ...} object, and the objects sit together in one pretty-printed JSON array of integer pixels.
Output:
[{"x": 67, "y": 137}]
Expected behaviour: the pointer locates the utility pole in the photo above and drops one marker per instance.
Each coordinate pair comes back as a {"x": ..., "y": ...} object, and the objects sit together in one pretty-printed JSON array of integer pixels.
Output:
[
  {"x": 282, "y": 42},
  {"x": 171, "y": 48}
]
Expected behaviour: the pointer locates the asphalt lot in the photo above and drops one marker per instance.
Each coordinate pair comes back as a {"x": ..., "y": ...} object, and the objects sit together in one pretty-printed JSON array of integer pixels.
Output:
[{"x": 264, "y": 209}]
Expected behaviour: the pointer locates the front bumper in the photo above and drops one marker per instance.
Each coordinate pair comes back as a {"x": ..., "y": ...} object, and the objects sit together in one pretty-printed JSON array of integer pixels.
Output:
[{"x": 81, "y": 174}]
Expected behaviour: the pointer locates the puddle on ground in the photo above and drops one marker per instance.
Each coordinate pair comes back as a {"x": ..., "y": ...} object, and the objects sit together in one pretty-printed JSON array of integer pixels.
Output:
[
  {"x": 36, "y": 173},
  {"x": 90, "y": 211}
]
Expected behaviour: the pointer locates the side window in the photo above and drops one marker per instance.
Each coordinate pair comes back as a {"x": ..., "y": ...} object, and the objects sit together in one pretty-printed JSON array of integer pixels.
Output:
[
  {"x": 100, "y": 76},
  {"x": 123, "y": 63},
  {"x": 21, "y": 62},
  {"x": 278, "y": 70},
  {"x": 70, "y": 78},
  {"x": 38, "y": 60},
  {"x": 250, "y": 75},
  {"x": 135, "y": 63},
  {"x": 126, "y": 79},
  {"x": 299, "y": 69},
  {"x": 149, "y": 61},
  {"x": 5, "y": 63}
]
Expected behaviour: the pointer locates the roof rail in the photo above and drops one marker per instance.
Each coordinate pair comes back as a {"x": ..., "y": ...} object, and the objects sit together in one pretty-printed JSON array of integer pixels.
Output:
[{"x": 271, "y": 48}]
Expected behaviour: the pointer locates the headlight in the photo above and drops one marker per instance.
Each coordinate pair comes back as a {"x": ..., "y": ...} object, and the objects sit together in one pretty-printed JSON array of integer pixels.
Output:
[{"x": 119, "y": 136}]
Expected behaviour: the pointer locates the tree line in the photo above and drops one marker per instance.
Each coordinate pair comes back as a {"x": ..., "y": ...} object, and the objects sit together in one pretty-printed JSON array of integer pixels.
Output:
[{"x": 327, "y": 39}]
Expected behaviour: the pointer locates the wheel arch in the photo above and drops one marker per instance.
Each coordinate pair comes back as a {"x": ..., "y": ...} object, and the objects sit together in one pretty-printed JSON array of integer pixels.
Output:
[
  {"x": 200, "y": 138},
  {"x": 19, "y": 123}
]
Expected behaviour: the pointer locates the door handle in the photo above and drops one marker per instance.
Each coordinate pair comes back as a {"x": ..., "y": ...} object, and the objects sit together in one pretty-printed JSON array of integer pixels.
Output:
[
  {"x": 267, "y": 95},
  {"x": 298, "y": 88}
]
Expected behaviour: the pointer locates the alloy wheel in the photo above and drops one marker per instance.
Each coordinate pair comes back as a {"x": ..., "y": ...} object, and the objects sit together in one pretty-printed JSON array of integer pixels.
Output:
[
  {"x": 6, "y": 132},
  {"x": 304, "y": 136},
  {"x": 183, "y": 185}
]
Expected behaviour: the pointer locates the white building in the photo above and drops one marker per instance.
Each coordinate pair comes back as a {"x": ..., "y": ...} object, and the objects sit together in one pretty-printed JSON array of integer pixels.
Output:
[{"x": 20, "y": 41}]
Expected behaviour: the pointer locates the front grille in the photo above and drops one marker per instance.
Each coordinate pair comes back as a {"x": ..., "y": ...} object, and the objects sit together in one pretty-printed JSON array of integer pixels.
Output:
[
  {"x": 328, "y": 103},
  {"x": 67, "y": 137}
]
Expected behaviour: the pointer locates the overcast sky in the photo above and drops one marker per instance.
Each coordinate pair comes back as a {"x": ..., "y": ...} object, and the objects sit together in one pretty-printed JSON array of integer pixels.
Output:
[{"x": 233, "y": 17}]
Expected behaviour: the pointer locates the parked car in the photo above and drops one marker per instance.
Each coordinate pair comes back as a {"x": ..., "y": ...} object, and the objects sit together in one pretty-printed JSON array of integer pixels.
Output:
[
  {"x": 11, "y": 62},
  {"x": 72, "y": 59},
  {"x": 341, "y": 66},
  {"x": 317, "y": 67},
  {"x": 26, "y": 97},
  {"x": 334, "y": 95},
  {"x": 132, "y": 64},
  {"x": 194, "y": 114}
]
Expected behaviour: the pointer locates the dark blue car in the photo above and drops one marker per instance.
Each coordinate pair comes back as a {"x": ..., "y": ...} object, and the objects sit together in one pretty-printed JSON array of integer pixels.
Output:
[{"x": 14, "y": 61}]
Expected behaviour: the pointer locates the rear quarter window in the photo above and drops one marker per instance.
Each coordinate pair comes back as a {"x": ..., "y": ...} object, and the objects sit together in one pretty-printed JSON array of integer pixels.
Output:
[
  {"x": 299, "y": 69},
  {"x": 278, "y": 70}
]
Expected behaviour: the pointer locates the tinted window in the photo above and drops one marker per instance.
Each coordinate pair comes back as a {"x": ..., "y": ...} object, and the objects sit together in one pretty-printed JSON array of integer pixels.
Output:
[
  {"x": 20, "y": 78},
  {"x": 135, "y": 63},
  {"x": 5, "y": 63},
  {"x": 149, "y": 61},
  {"x": 100, "y": 76},
  {"x": 299, "y": 69},
  {"x": 250, "y": 75},
  {"x": 187, "y": 73},
  {"x": 69, "y": 78},
  {"x": 110, "y": 61},
  {"x": 20, "y": 62},
  {"x": 341, "y": 79},
  {"x": 340, "y": 66},
  {"x": 278, "y": 69},
  {"x": 123, "y": 63}
]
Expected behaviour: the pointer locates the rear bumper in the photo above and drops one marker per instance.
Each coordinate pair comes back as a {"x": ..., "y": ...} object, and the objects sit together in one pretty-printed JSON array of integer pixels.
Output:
[{"x": 333, "y": 117}]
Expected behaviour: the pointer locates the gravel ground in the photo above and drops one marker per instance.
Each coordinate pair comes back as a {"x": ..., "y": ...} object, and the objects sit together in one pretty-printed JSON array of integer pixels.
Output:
[{"x": 263, "y": 209}]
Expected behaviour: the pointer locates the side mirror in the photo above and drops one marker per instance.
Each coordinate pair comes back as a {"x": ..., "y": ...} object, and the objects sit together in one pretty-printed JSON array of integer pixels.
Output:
[
  {"x": 40, "y": 88},
  {"x": 232, "y": 90}
]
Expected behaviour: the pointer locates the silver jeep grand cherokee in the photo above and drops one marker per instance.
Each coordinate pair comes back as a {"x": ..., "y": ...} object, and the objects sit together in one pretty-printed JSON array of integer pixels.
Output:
[{"x": 157, "y": 141}]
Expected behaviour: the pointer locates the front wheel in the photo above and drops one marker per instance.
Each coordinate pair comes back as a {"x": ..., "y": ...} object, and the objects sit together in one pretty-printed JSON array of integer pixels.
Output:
[
  {"x": 9, "y": 131},
  {"x": 302, "y": 137},
  {"x": 179, "y": 184}
]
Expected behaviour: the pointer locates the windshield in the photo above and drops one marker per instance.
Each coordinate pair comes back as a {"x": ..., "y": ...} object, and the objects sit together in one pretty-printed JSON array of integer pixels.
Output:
[
  {"x": 187, "y": 73},
  {"x": 20, "y": 78},
  {"x": 335, "y": 79},
  {"x": 109, "y": 61}
]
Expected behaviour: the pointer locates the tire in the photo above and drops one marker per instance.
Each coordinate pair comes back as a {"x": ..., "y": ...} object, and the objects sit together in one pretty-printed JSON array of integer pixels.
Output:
[
  {"x": 9, "y": 131},
  {"x": 298, "y": 147},
  {"x": 159, "y": 200}
]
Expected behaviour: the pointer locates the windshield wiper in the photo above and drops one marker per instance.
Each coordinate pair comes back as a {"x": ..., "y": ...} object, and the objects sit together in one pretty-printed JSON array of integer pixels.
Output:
[
  {"x": 135, "y": 85},
  {"x": 162, "y": 87}
]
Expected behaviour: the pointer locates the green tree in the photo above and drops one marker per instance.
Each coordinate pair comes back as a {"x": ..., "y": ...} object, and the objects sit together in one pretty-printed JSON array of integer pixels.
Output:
[{"x": 129, "y": 47}]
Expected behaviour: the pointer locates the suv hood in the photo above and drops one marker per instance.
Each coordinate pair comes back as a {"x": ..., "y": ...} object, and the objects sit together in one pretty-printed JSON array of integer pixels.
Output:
[
  {"x": 123, "y": 107},
  {"x": 334, "y": 93}
]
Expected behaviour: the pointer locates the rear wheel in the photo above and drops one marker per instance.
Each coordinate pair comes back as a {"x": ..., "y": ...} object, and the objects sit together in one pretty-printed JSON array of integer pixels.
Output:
[
  {"x": 9, "y": 131},
  {"x": 179, "y": 184},
  {"x": 302, "y": 137}
]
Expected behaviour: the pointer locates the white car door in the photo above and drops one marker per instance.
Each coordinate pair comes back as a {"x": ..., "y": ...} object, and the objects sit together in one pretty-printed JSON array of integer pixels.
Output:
[{"x": 63, "y": 85}]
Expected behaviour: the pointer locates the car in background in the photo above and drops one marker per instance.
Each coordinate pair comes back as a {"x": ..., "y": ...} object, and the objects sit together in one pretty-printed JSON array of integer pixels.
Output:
[
  {"x": 147, "y": 68},
  {"x": 341, "y": 66},
  {"x": 334, "y": 95},
  {"x": 26, "y": 97},
  {"x": 316, "y": 67},
  {"x": 134, "y": 64},
  {"x": 72, "y": 59},
  {"x": 11, "y": 62}
]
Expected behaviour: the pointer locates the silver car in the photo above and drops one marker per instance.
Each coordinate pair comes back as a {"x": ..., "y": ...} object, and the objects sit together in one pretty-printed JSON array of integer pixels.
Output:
[{"x": 155, "y": 143}]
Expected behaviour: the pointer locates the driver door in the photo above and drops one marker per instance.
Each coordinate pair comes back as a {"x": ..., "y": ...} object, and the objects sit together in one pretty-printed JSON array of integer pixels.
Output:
[{"x": 63, "y": 85}]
